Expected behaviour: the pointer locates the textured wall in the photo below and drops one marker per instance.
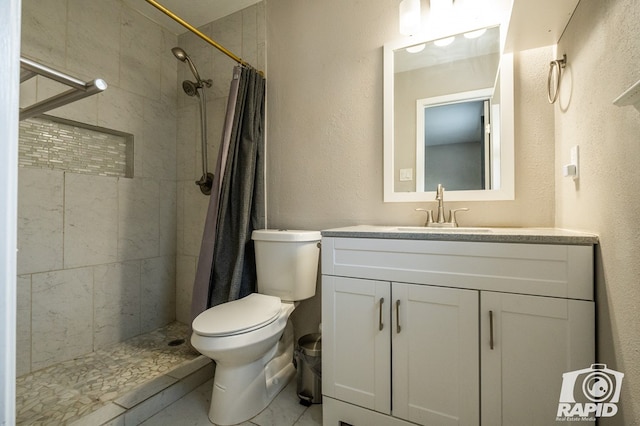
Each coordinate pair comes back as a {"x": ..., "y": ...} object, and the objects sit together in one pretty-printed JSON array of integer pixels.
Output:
[
  {"x": 96, "y": 259},
  {"x": 325, "y": 127},
  {"x": 602, "y": 43}
]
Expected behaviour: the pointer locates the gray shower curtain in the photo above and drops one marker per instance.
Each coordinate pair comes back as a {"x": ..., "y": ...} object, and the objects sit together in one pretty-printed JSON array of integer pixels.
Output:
[{"x": 226, "y": 266}]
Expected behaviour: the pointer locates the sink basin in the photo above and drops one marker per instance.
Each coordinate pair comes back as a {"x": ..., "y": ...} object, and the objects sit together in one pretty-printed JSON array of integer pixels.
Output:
[{"x": 458, "y": 230}]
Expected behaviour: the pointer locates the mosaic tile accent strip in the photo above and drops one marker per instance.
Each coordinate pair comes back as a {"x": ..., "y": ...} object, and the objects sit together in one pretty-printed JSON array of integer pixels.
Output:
[
  {"x": 67, "y": 391},
  {"x": 76, "y": 147}
]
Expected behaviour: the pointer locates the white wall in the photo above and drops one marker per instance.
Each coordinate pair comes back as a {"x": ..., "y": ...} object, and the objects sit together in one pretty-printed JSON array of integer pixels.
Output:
[
  {"x": 325, "y": 127},
  {"x": 96, "y": 261},
  {"x": 602, "y": 43}
]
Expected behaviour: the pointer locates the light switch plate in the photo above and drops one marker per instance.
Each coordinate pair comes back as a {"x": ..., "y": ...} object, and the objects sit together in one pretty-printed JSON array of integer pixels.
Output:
[
  {"x": 575, "y": 161},
  {"x": 406, "y": 175}
]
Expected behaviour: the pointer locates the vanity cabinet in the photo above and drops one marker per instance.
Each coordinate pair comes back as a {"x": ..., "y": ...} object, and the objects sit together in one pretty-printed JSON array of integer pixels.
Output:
[
  {"x": 451, "y": 333},
  {"x": 420, "y": 341},
  {"x": 535, "y": 340}
]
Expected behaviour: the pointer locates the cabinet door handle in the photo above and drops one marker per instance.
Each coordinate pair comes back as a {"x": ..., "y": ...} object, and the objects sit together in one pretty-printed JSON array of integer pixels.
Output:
[
  {"x": 380, "y": 324},
  {"x": 491, "y": 330},
  {"x": 398, "y": 328}
]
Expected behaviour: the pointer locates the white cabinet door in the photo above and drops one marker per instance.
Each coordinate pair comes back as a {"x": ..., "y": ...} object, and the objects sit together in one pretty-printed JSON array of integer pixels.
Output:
[
  {"x": 435, "y": 355},
  {"x": 356, "y": 353},
  {"x": 532, "y": 342}
]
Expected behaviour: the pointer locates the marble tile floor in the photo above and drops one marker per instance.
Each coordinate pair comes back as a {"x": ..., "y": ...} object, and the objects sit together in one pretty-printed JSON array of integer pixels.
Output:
[
  {"x": 68, "y": 391},
  {"x": 284, "y": 410}
]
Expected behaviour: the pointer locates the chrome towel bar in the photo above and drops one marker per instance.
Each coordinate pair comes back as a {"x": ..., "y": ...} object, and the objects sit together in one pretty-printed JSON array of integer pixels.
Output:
[{"x": 79, "y": 89}]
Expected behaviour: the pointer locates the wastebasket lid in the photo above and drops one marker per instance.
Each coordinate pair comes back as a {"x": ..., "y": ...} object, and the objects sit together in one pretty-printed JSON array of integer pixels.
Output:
[{"x": 311, "y": 344}]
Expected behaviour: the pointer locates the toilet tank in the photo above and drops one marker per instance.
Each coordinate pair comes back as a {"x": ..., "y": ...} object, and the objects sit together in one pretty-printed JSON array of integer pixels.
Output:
[{"x": 287, "y": 262}]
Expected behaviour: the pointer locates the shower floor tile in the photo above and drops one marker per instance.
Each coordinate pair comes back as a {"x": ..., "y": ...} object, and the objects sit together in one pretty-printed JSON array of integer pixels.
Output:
[{"x": 72, "y": 389}]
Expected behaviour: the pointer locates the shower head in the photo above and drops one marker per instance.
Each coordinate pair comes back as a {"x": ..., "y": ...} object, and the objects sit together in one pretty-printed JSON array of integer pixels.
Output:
[
  {"x": 181, "y": 55},
  {"x": 190, "y": 88}
]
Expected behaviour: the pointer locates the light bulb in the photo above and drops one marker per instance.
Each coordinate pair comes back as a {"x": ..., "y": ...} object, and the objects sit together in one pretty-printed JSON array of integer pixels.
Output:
[{"x": 440, "y": 7}]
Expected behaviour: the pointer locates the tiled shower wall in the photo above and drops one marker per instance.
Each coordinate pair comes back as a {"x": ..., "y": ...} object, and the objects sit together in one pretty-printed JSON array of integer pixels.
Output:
[
  {"x": 47, "y": 143},
  {"x": 96, "y": 260},
  {"x": 244, "y": 34}
]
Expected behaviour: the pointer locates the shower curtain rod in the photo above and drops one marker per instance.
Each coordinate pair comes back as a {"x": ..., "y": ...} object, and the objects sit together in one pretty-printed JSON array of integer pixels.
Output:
[{"x": 197, "y": 32}]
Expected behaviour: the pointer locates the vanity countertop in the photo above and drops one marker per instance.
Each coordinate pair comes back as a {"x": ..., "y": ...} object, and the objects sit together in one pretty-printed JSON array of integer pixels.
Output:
[{"x": 495, "y": 235}]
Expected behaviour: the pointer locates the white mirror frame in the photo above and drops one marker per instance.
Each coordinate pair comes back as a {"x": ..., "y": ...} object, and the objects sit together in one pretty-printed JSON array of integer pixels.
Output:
[{"x": 506, "y": 130}]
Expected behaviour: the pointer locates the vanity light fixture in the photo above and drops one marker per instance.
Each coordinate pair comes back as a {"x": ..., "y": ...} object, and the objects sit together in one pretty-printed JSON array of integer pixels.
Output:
[
  {"x": 440, "y": 7},
  {"x": 410, "y": 17}
]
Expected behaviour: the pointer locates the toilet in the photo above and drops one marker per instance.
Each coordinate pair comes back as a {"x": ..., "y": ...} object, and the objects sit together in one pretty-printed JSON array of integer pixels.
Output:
[{"x": 251, "y": 339}]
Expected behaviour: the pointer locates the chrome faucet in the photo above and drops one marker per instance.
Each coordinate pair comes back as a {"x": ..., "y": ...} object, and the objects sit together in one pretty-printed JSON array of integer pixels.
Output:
[
  {"x": 440, "y": 221},
  {"x": 440, "y": 200}
]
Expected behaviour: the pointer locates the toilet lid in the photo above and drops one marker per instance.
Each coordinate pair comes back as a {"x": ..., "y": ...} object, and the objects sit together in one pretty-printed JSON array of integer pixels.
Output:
[{"x": 242, "y": 315}]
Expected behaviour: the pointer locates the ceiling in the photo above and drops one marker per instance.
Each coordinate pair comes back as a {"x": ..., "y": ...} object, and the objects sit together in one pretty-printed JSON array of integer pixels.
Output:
[{"x": 195, "y": 12}]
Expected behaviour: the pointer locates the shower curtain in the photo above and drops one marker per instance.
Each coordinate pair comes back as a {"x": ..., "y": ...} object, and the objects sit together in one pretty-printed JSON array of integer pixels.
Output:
[{"x": 226, "y": 266}]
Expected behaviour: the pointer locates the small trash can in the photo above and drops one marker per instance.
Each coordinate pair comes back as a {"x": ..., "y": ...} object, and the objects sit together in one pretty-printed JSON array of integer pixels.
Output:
[{"x": 309, "y": 359}]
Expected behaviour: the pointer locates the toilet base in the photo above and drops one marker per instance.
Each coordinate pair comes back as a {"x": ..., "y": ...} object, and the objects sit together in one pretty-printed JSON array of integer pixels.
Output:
[{"x": 241, "y": 392}]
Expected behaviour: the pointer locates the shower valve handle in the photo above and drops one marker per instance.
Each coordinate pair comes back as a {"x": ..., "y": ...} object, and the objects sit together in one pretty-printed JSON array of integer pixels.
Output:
[{"x": 205, "y": 183}]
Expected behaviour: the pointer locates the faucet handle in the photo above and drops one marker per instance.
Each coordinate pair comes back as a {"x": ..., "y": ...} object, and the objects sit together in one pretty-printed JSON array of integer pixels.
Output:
[
  {"x": 452, "y": 215},
  {"x": 429, "y": 216}
]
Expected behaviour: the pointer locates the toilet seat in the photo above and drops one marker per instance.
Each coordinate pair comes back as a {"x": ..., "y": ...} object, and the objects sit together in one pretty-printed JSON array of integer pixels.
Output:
[{"x": 239, "y": 316}]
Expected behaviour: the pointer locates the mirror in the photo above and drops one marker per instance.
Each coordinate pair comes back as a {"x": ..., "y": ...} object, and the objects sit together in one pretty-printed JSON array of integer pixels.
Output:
[{"x": 448, "y": 118}]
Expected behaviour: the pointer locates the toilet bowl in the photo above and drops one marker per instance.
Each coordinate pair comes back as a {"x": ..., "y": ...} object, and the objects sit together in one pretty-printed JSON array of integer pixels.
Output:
[
  {"x": 251, "y": 339},
  {"x": 252, "y": 364}
]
